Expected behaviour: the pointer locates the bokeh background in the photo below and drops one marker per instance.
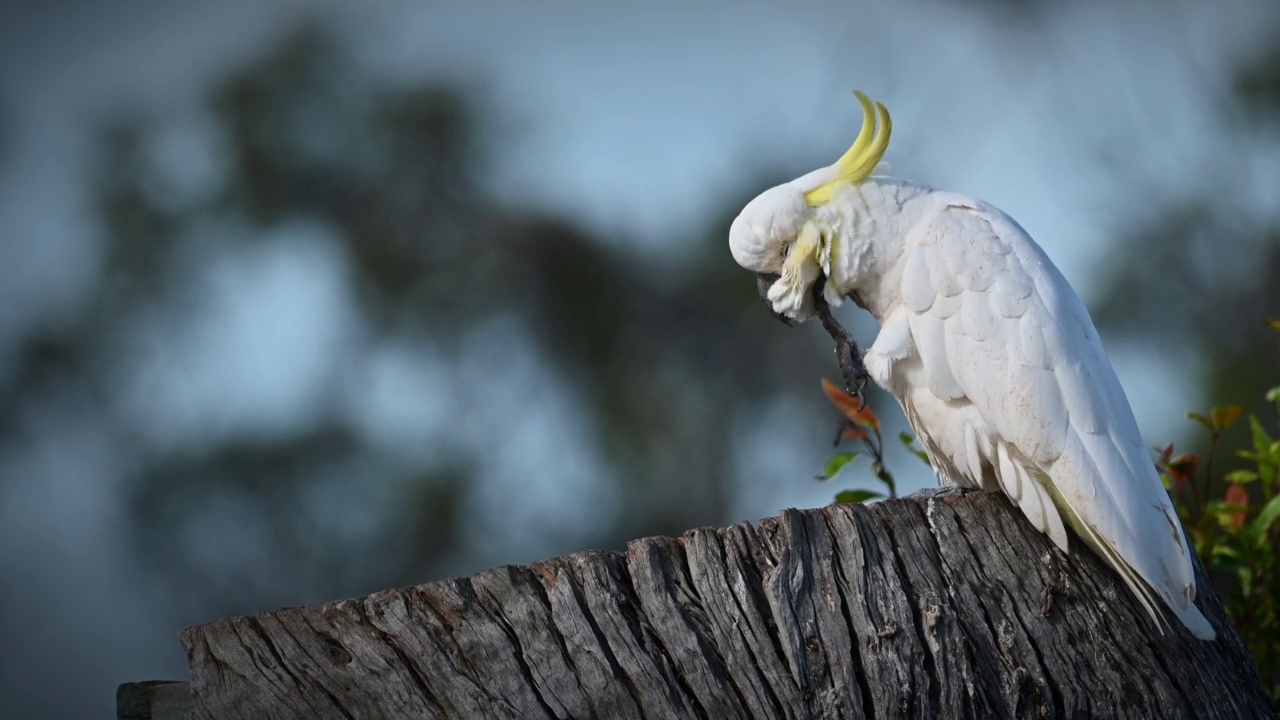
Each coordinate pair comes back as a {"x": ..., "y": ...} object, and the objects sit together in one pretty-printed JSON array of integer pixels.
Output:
[{"x": 302, "y": 300}]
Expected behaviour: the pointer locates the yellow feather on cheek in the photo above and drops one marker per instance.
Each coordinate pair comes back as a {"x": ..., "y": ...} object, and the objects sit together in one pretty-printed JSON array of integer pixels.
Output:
[
  {"x": 799, "y": 270},
  {"x": 806, "y": 248}
]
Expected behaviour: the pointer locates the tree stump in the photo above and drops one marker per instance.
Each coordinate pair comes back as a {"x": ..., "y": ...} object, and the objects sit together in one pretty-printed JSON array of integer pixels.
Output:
[{"x": 931, "y": 606}]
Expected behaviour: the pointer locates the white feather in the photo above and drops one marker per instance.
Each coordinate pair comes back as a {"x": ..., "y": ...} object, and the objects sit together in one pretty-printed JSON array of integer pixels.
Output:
[
  {"x": 1007, "y": 474},
  {"x": 1032, "y": 504},
  {"x": 972, "y": 456}
]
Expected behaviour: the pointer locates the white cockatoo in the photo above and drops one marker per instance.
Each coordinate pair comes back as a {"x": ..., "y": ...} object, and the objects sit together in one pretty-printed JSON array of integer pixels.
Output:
[{"x": 988, "y": 349}]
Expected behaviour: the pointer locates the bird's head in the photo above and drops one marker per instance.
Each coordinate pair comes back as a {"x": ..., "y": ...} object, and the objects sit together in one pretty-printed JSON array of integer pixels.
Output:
[{"x": 775, "y": 235}]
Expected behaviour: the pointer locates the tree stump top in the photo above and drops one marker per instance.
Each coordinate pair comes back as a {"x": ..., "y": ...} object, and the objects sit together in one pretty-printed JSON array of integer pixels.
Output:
[{"x": 928, "y": 607}]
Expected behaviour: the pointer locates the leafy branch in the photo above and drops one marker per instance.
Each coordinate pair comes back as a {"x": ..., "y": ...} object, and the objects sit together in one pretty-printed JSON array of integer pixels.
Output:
[
  {"x": 1235, "y": 529},
  {"x": 860, "y": 425}
]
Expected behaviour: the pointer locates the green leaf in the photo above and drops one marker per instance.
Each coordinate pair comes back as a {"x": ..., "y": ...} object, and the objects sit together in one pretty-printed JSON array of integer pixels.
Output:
[
  {"x": 1267, "y": 516},
  {"x": 1226, "y": 558},
  {"x": 885, "y": 477},
  {"x": 1246, "y": 580},
  {"x": 1225, "y": 551},
  {"x": 1273, "y": 395},
  {"x": 856, "y": 496},
  {"x": 1262, "y": 450},
  {"x": 836, "y": 464},
  {"x": 1241, "y": 477},
  {"x": 1201, "y": 419},
  {"x": 909, "y": 442},
  {"x": 1261, "y": 440},
  {"x": 1224, "y": 417}
]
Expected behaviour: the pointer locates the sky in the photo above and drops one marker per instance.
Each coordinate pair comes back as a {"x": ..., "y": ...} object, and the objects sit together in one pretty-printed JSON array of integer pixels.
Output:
[{"x": 632, "y": 122}]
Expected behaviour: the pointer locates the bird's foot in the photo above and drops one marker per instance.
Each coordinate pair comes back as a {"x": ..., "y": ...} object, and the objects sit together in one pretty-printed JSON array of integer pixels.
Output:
[
  {"x": 852, "y": 369},
  {"x": 848, "y": 354},
  {"x": 943, "y": 492}
]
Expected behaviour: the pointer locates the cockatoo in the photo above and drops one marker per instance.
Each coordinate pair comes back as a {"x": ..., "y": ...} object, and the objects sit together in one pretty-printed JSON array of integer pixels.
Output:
[{"x": 987, "y": 348}]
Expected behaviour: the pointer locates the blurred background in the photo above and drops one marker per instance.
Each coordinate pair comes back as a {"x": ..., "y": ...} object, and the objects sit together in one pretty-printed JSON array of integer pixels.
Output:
[{"x": 303, "y": 300}]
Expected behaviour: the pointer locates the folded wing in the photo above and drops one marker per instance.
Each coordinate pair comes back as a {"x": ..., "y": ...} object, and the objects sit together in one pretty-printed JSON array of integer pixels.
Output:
[{"x": 998, "y": 326}]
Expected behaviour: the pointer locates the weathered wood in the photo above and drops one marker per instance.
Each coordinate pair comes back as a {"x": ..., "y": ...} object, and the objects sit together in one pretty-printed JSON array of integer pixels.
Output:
[
  {"x": 933, "y": 606},
  {"x": 153, "y": 700}
]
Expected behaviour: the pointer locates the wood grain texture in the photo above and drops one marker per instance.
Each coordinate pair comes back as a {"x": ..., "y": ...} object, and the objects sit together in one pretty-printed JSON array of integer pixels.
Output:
[
  {"x": 932, "y": 606},
  {"x": 153, "y": 700}
]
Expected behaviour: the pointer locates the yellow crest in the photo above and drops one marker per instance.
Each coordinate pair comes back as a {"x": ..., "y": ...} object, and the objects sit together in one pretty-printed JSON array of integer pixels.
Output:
[{"x": 861, "y": 158}]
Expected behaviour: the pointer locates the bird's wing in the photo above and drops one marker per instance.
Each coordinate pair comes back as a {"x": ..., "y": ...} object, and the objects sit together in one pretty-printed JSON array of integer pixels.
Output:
[{"x": 998, "y": 326}]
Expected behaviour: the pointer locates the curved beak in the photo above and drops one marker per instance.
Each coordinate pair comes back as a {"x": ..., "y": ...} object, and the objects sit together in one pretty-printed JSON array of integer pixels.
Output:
[{"x": 764, "y": 281}]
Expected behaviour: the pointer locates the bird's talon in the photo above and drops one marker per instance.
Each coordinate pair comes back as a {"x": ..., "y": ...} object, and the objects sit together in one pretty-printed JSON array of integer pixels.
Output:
[
  {"x": 848, "y": 354},
  {"x": 855, "y": 390}
]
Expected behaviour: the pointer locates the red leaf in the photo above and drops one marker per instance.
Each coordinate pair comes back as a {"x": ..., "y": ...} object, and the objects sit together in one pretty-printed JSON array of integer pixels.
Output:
[
  {"x": 853, "y": 433},
  {"x": 1182, "y": 468},
  {"x": 1239, "y": 497},
  {"x": 848, "y": 405}
]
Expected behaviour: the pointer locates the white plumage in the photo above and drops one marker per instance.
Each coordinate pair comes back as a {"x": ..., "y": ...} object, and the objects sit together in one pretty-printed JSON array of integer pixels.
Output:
[{"x": 989, "y": 350}]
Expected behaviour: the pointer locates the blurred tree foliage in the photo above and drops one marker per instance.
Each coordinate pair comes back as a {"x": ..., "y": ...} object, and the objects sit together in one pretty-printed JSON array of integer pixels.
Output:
[
  {"x": 1201, "y": 275},
  {"x": 662, "y": 358},
  {"x": 1237, "y": 534}
]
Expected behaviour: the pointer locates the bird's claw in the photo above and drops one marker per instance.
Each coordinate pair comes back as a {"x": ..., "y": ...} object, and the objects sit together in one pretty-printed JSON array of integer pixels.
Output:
[
  {"x": 943, "y": 492},
  {"x": 848, "y": 354},
  {"x": 852, "y": 369}
]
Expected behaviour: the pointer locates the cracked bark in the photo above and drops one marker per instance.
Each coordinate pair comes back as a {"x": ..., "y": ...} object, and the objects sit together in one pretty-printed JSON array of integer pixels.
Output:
[{"x": 928, "y": 607}]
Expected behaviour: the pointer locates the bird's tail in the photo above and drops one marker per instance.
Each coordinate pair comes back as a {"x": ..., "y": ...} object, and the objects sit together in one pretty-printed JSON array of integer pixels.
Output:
[{"x": 1148, "y": 596}]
